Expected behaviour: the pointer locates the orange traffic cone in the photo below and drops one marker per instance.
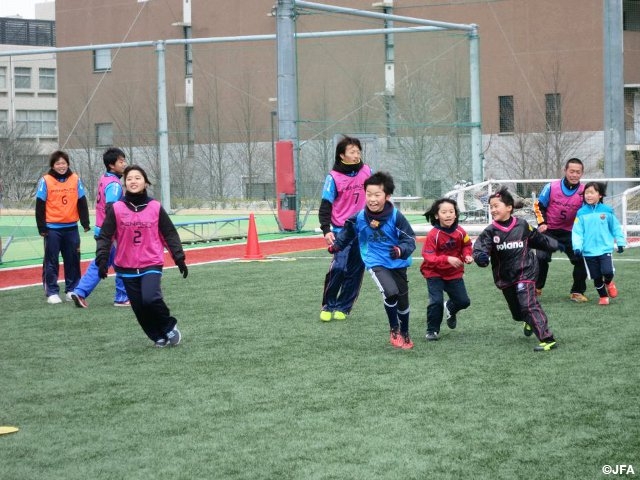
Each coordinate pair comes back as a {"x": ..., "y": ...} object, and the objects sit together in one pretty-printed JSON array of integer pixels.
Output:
[{"x": 252, "y": 251}]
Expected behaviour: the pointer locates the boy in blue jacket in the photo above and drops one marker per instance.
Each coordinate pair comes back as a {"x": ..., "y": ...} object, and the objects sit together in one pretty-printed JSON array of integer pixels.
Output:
[
  {"x": 386, "y": 242},
  {"x": 595, "y": 229}
]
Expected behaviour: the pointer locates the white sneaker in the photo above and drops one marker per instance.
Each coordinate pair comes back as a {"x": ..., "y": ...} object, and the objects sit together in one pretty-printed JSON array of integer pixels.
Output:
[
  {"x": 53, "y": 299},
  {"x": 68, "y": 297}
]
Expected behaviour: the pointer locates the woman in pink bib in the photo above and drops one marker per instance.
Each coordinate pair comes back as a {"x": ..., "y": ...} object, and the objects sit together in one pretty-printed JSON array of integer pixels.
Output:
[{"x": 142, "y": 229}]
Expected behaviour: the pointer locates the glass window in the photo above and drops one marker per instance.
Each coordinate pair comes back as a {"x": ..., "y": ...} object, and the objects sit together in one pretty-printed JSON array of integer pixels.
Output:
[
  {"x": 36, "y": 122},
  {"x": 22, "y": 77},
  {"x": 4, "y": 122},
  {"x": 47, "y": 79},
  {"x": 104, "y": 134},
  {"x": 506, "y": 113},
  {"x": 102, "y": 60},
  {"x": 3, "y": 78},
  {"x": 553, "y": 111},
  {"x": 631, "y": 15}
]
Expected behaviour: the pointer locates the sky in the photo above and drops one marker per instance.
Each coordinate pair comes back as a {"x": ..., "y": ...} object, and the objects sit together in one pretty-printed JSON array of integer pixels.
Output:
[{"x": 25, "y": 8}]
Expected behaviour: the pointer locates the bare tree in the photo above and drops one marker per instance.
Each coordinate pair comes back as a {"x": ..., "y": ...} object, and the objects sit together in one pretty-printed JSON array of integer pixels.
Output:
[
  {"x": 212, "y": 152},
  {"x": 86, "y": 161},
  {"x": 422, "y": 108},
  {"x": 20, "y": 166},
  {"x": 543, "y": 139},
  {"x": 249, "y": 153}
]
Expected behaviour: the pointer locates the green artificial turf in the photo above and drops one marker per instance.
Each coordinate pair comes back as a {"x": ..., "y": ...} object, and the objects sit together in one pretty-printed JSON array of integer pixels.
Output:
[{"x": 259, "y": 388}]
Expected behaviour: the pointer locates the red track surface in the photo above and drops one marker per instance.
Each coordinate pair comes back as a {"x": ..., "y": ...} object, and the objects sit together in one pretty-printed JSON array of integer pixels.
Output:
[{"x": 23, "y": 276}]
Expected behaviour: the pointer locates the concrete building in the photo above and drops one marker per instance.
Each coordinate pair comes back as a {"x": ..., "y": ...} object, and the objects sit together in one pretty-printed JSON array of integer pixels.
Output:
[
  {"x": 541, "y": 66},
  {"x": 28, "y": 104}
]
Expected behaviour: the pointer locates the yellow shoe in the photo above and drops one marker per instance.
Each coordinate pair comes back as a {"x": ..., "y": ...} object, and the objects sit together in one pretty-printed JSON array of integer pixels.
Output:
[
  {"x": 578, "y": 298},
  {"x": 325, "y": 316},
  {"x": 338, "y": 315}
]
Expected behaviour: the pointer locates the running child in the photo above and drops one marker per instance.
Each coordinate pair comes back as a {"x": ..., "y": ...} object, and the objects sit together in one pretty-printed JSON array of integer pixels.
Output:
[
  {"x": 386, "y": 242},
  {"x": 142, "y": 229},
  {"x": 507, "y": 243},
  {"x": 109, "y": 190},
  {"x": 446, "y": 249},
  {"x": 593, "y": 235}
]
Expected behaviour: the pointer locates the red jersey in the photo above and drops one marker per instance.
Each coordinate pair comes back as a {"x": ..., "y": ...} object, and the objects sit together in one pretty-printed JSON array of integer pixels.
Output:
[{"x": 440, "y": 244}]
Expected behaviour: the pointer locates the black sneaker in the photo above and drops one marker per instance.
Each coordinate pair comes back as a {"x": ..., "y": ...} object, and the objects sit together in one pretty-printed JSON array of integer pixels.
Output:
[
  {"x": 174, "y": 337},
  {"x": 452, "y": 321},
  {"x": 526, "y": 328}
]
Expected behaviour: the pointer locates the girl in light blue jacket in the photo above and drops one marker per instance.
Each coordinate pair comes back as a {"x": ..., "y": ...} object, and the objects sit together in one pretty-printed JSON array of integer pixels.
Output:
[{"x": 595, "y": 230}]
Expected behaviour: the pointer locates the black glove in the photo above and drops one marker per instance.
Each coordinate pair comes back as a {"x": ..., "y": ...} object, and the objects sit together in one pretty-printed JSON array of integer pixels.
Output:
[
  {"x": 620, "y": 249},
  {"x": 103, "y": 270},
  {"x": 395, "y": 252},
  {"x": 183, "y": 268},
  {"x": 482, "y": 259},
  {"x": 577, "y": 253},
  {"x": 332, "y": 249}
]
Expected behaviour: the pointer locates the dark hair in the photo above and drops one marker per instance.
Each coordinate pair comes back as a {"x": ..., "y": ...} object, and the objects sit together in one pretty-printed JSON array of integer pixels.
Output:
[
  {"x": 139, "y": 169},
  {"x": 504, "y": 195},
  {"x": 433, "y": 210},
  {"x": 57, "y": 155},
  {"x": 342, "y": 145},
  {"x": 381, "y": 178},
  {"x": 110, "y": 157},
  {"x": 577, "y": 161},
  {"x": 599, "y": 187}
]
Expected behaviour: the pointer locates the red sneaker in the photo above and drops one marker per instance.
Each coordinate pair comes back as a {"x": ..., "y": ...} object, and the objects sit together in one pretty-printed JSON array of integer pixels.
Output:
[
  {"x": 80, "y": 302},
  {"x": 603, "y": 301},
  {"x": 407, "y": 344},
  {"x": 613, "y": 290},
  {"x": 396, "y": 339}
]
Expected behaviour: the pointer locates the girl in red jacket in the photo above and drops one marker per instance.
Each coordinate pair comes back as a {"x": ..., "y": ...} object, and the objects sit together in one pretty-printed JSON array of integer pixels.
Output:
[{"x": 446, "y": 249}]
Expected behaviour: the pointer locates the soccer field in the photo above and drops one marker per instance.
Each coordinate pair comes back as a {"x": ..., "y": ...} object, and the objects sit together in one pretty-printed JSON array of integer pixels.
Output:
[{"x": 261, "y": 389}]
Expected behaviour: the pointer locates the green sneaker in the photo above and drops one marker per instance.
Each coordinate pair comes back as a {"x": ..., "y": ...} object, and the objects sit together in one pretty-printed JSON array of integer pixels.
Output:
[
  {"x": 526, "y": 328},
  {"x": 325, "y": 315},
  {"x": 338, "y": 315},
  {"x": 545, "y": 346}
]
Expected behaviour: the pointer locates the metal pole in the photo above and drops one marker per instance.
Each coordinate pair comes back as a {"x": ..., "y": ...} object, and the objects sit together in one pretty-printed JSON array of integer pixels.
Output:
[
  {"x": 163, "y": 129},
  {"x": 613, "y": 61},
  {"x": 476, "y": 113},
  {"x": 288, "y": 85}
]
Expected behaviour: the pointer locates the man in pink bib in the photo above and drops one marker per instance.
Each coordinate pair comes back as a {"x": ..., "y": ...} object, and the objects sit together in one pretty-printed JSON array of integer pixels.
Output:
[{"x": 555, "y": 210}]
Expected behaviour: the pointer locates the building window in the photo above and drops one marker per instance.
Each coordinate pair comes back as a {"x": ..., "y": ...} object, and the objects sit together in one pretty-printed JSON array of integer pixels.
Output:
[
  {"x": 36, "y": 122},
  {"x": 630, "y": 15},
  {"x": 104, "y": 134},
  {"x": 3, "y": 78},
  {"x": 506, "y": 114},
  {"x": 47, "y": 79},
  {"x": 553, "y": 111},
  {"x": 102, "y": 60},
  {"x": 4, "y": 122},
  {"x": 22, "y": 77},
  {"x": 463, "y": 110}
]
